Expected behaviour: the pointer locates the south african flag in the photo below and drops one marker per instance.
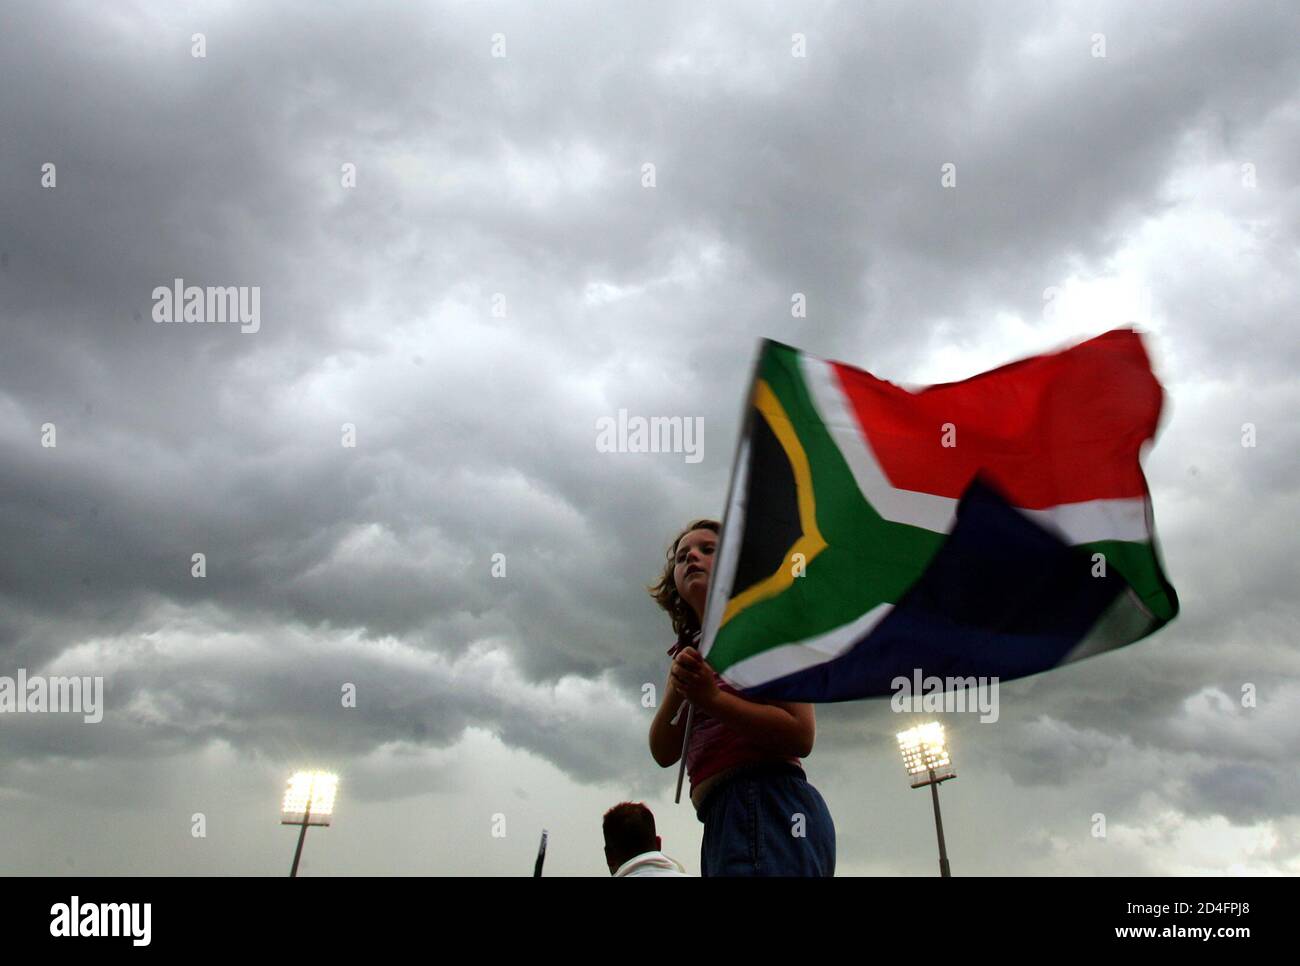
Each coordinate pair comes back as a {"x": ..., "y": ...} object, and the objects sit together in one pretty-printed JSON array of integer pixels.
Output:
[{"x": 994, "y": 527}]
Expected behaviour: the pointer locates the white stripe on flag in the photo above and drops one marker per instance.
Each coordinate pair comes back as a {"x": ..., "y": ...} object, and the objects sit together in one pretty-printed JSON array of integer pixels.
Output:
[
  {"x": 785, "y": 659},
  {"x": 1119, "y": 519}
]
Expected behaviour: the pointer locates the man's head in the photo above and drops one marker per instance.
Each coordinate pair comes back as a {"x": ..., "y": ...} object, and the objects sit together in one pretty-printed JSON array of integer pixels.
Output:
[{"x": 629, "y": 831}]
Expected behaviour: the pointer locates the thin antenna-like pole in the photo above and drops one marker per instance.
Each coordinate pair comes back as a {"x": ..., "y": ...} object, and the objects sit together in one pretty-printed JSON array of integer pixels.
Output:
[{"x": 541, "y": 857}]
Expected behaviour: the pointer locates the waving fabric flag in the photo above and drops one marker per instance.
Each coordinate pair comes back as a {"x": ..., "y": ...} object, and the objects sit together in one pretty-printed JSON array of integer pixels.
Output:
[{"x": 998, "y": 526}]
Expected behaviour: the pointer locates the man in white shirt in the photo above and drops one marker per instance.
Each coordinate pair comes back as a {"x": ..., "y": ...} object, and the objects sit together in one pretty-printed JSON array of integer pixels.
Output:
[{"x": 631, "y": 846}]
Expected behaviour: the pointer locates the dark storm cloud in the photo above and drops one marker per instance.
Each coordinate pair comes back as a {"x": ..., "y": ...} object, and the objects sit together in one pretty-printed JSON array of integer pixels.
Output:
[{"x": 476, "y": 433}]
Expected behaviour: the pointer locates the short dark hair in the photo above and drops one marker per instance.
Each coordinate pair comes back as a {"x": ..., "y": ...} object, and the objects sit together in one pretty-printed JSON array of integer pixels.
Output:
[{"x": 629, "y": 829}]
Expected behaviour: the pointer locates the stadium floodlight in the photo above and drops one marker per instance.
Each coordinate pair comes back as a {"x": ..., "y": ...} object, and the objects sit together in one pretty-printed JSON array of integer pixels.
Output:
[
  {"x": 308, "y": 800},
  {"x": 925, "y": 756}
]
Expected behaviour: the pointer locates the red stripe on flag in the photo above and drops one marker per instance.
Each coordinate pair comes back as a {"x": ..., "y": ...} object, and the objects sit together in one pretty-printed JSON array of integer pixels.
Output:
[{"x": 1061, "y": 428}]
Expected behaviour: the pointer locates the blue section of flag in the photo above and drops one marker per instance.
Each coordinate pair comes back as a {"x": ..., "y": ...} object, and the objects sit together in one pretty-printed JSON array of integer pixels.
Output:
[{"x": 1003, "y": 597}]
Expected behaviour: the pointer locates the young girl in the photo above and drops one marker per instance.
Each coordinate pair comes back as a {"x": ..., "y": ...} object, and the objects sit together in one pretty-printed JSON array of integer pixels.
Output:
[{"x": 760, "y": 814}]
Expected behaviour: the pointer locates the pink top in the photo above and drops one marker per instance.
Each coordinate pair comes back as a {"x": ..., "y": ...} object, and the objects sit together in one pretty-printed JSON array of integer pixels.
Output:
[{"x": 715, "y": 746}]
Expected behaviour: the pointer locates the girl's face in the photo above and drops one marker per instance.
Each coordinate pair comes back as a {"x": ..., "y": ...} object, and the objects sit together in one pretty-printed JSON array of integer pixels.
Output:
[{"x": 694, "y": 567}]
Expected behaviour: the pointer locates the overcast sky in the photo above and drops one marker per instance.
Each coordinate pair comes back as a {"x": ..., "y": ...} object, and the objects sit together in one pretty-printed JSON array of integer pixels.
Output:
[{"x": 493, "y": 276}]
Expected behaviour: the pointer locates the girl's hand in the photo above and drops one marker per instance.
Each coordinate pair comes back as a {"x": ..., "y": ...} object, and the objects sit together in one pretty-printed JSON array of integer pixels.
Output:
[{"x": 694, "y": 679}]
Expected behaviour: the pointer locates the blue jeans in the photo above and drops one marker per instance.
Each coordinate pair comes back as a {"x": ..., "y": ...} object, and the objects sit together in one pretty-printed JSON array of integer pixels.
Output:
[{"x": 767, "y": 821}]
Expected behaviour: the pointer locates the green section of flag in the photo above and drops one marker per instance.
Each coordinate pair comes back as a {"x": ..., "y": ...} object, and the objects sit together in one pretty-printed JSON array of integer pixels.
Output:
[
  {"x": 867, "y": 560},
  {"x": 1136, "y": 562}
]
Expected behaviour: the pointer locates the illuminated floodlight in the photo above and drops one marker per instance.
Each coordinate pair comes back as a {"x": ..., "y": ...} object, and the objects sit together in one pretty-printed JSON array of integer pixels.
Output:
[
  {"x": 925, "y": 754},
  {"x": 309, "y": 798}
]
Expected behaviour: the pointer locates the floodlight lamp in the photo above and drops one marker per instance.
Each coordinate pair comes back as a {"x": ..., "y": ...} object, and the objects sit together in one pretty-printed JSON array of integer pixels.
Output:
[{"x": 310, "y": 797}]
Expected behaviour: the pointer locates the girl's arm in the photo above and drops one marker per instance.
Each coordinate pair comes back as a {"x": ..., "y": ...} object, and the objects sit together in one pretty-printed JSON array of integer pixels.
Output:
[
  {"x": 781, "y": 727},
  {"x": 666, "y": 737}
]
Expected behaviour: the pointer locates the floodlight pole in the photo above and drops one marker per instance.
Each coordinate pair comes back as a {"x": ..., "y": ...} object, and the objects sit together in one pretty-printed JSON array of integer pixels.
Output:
[
  {"x": 944, "y": 870},
  {"x": 302, "y": 834}
]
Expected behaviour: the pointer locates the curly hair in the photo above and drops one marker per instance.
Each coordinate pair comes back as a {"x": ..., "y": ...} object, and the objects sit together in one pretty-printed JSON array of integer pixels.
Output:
[{"x": 665, "y": 591}]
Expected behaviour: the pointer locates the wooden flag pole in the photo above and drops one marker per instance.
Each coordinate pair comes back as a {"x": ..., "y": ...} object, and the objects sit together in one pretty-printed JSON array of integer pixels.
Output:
[{"x": 686, "y": 739}]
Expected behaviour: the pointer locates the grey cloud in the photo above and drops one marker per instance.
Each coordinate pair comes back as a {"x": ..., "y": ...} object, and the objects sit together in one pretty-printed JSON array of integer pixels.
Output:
[{"x": 476, "y": 434}]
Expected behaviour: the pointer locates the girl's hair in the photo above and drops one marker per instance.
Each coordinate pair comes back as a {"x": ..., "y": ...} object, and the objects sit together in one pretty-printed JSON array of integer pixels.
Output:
[{"x": 665, "y": 591}]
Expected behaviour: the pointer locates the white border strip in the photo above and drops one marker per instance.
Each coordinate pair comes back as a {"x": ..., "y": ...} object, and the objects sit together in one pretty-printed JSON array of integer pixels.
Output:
[{"x": 777, "y": 662}]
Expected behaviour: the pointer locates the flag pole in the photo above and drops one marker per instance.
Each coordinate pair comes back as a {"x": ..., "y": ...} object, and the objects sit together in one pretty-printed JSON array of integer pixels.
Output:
[
  {"x": 686, "y": 737},
  {"x": 746, "y": 417}
]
